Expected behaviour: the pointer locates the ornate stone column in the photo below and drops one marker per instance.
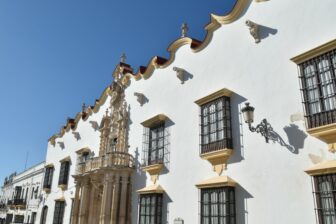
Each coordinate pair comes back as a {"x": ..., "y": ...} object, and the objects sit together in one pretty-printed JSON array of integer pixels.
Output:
[
  {"x": 105, "y": 215},
  {"x": 84, "y": 203},
  {"x": 114, "y": 219},
  {"x": 123, "y": 199},
  {"x": 74, "y": 215}
]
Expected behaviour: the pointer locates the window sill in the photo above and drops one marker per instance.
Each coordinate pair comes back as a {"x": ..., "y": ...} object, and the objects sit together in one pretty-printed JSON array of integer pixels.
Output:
[
  {"x": 153, "y": 171},
  {"x": 218, "y": 159},
  {"x": 326, "y": 133},
  {"x": 326, "y": 167},
  {"x": 63, "y": 186}
]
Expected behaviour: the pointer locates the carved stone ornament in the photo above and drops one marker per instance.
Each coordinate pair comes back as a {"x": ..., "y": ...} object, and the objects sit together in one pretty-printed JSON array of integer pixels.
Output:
[
  {"x": 76, "y": 135},
  {"x": 254, "y": 30},
  {"x": 140, "y": 98},
  {"x": 61, "y": 144},
  {"x": 180, "y": 74}
]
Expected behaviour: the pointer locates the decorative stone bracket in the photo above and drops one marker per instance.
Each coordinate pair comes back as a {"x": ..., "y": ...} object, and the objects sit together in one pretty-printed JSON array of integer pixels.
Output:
[
  {"x": 140, "y": 98},
  {"x": 327, "y": 134},
  {"x": 180, "y": 74},
  {"x": 153, "y": 171},
  {"x": 254, "y": 30},
  {"x": 218, "y": 159}
]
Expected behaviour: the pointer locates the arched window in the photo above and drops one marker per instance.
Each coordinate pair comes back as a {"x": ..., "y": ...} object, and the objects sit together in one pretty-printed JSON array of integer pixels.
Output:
[{"x": 44, "y": 215}]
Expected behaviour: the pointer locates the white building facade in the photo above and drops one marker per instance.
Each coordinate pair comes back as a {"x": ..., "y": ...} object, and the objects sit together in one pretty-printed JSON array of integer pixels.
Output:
[
  {"x": 22, "y": 194},
  {"x": 169, "y": 143}
]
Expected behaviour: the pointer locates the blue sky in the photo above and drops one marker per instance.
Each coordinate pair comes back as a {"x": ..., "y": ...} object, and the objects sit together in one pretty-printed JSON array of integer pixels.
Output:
[{"x": 56, "y": 55}]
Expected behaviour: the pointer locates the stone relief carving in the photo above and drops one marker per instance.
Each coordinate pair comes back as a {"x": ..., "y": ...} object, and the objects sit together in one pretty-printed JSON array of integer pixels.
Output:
[
  {"x": 114, "y": 125},
  {"x": 254, "y": 30}
]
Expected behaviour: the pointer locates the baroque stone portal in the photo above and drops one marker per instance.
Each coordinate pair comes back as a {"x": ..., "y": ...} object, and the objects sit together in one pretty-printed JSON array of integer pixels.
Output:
[{"x": 103, "y": 183}]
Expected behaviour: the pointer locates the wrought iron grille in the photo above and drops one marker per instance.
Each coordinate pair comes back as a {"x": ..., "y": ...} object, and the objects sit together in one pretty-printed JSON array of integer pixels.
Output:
[
  {"x": 150, "y": 209},
  {"x": 155, "y": 145},
  {"x": 215, "y": 125},
  {"x": 59, "y": 212},
  {"x": 218, "y": 206},
  {"x": 325, "y": 194},
  {"x": 318, "y": 89},
  {"x": 64, "y": 173},
  {"x": 48, "y": 176}
]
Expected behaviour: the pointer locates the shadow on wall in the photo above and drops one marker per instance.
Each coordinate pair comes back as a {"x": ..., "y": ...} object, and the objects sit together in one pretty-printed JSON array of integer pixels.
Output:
[
  {"x": 265, "y": 31},
  {"x": 139, "y": 181},
  {"x": 237, "y": 128},
  {"x": 242, "y": 197},
  {"x": 165, "y": 208},
  {"x": 296, "y": 137}
]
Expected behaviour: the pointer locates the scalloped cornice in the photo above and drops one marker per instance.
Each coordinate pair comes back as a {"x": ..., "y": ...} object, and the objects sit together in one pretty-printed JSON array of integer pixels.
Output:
[{"x": 156, "y": 62}]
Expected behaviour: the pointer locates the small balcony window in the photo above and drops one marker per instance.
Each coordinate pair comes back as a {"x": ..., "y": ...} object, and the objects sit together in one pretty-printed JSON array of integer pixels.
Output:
[
  {"x": 64, "y": 173},
  {"x": 155, "y": 140},
  {"x": 318, "y": 86},
  {"x": 150, "y": 209},
  {"x": 325, "y": 194},
  {"x": 48, "y": 176},
  {"x": 215, "y": 125}
]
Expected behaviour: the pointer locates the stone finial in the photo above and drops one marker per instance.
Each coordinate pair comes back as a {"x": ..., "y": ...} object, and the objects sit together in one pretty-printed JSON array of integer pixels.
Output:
[
  {"x": 184, "y": 29},
  {"x": 254, "y": 30},
  {"x": 123, "y": 58},
  {"x": 83, "y": 107}
]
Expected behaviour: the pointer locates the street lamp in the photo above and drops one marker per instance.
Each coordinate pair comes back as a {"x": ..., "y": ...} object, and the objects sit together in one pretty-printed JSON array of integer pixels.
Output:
[{"x": 264, "y": 128}]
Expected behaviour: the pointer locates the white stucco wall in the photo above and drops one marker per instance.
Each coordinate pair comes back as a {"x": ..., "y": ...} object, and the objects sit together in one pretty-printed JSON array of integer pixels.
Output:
[
  {"x": 273, "y": 187},
  {"x": 28, "y": 179},
  {"x": 89, "y": 137}
]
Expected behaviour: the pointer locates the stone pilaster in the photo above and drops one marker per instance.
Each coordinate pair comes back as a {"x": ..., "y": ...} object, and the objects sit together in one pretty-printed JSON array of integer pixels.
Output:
[
  {"x": 107, "y": 201},
  {"x": 115, "y": 201},
  {"x": 84, "y": 203},
  {"x": 123, "y": 199},
  {"x": 74, "y": 215}
]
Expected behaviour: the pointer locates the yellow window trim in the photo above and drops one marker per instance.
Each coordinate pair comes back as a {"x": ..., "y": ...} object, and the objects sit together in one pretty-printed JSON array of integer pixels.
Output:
[
  {"x": 326, "y": 167},
  {"x": 151, "y": 189},
  {"x": 83, "y": 150},
  {"x": 65, "y": 159},
  {"x": 153, "y": 121},
  {"x": 213, "y": 96},
  {"x": 324, "y": 48},
  {"x": 220, "y": 181}
]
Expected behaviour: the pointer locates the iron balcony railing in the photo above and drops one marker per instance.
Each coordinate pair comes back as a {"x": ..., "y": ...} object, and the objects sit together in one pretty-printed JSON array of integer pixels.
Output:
[
  {"x": 17, "y": 202},
  {"x": 109, "y": 160}
]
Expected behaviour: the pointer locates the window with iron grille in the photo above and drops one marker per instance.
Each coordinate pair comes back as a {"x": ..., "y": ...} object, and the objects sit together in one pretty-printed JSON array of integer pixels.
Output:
[
  {"x": 154, "y": 144},
  {"x": 48, "y": 176},
  {"x": 216, "y": 125},
  {"x": 218, "y": 205},
  {"x": 150, "y": 209},
  {"x": 64, "y": 173},
  {"x": 59, "y": 212},
  {"x": 325, "y": 194},
  {"x": 44, "y": 215},
  {"x": 18, "y": 218},
  {"x": 318, "y": 88}
]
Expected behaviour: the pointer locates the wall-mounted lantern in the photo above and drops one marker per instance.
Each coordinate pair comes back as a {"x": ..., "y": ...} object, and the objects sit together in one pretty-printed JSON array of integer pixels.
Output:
[{"x": 264, "y": 128}]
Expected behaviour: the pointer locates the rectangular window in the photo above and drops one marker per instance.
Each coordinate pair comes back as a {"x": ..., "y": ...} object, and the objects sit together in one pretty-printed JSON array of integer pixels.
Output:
[
  {"x": 318, "y": 88},
  {"x": 48, "y": 176},
  {"x": 216, "y": 125},
  {"x": 18, "y": 219},
  {"x": 325, "y": 194},
  {"x": 59, "y": 212},
  {"x": 154, "y": 145},
  {"x": 64, "y": 173},
  {"x": 218, "y": 206},
  {"x": 150, "y": 209}
]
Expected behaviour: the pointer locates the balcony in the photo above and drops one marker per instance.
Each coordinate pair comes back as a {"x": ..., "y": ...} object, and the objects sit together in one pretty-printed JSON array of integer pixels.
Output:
[
  {"x": 17, "y": 202},
  {"x": 3, "y": 206},
  {"x": 110, "y": 160}
]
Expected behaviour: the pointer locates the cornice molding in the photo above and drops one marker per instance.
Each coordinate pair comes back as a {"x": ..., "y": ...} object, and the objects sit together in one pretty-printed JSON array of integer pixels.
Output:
[{"x": 324, "y": 48}]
